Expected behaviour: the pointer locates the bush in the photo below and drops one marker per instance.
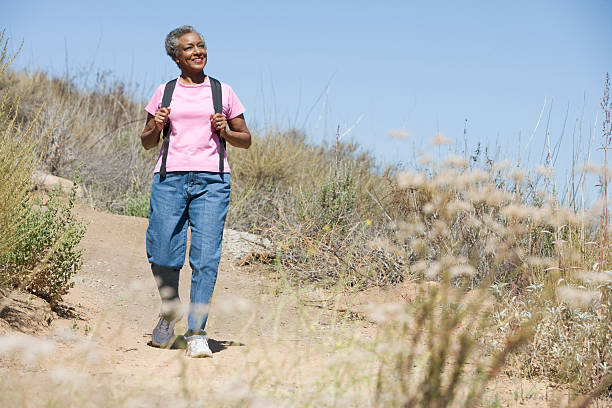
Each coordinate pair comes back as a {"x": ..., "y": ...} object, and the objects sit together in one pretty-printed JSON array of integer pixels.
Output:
[
  {"x": 38, "y": 243},
  {"x": 137, "y": 204},
  {"x": 46, "y": 255}
]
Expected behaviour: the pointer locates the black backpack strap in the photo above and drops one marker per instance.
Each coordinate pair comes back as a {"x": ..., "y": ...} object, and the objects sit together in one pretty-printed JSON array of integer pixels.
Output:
[
  {"x": 166, "y": 98},
  {"x": 218, "y": 105}
]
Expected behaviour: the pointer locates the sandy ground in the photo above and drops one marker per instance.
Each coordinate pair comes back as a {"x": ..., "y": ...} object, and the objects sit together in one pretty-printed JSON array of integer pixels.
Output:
[{"x": 267, "y": 345}]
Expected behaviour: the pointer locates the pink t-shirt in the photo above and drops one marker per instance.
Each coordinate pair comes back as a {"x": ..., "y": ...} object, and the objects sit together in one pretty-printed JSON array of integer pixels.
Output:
[{"x": 193, "y": 144}]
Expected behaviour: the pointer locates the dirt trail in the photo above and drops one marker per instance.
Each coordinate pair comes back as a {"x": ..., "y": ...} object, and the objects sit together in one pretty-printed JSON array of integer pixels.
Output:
[
  {"x": 261, "y": 337},
  {"x": 101, "y": 343}
]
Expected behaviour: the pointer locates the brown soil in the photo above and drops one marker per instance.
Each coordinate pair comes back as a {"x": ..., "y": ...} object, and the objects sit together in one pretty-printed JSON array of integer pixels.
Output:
[{"x": 265, "y": 341}]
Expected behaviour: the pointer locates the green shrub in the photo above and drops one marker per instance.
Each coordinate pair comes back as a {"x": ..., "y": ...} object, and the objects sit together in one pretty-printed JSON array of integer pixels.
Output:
[
  {"x": 46, "y": 256},
  {"x": 137, "y": 204},
  {"x": 38, "y": 242}
]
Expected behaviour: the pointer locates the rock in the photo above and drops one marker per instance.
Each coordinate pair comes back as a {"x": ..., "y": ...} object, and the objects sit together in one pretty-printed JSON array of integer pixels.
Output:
[
  {"x": 240, "y": 244},
  {"x": 49, "y": 182}
]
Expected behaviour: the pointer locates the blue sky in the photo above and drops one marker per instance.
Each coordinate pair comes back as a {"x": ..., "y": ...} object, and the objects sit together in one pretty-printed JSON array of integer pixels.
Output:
[{"x": 420, "y": 66}]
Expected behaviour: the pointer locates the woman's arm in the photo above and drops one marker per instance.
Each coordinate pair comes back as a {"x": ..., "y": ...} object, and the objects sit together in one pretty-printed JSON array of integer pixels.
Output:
[
  {"x": 237, "y": 135},
  {"x": 153, "y": 127}
]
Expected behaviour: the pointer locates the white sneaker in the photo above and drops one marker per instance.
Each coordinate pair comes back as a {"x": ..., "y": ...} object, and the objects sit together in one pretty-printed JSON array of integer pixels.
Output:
[{"x": 197, "y": 347}]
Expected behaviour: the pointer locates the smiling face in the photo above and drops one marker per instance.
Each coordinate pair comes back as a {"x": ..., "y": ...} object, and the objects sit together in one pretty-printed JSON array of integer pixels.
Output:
[{"x": 191, "y": 55}]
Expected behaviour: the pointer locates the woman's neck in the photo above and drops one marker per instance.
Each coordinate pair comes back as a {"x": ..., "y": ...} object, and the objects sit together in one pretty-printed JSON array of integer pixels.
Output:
[{"x": 192, "y": 78}]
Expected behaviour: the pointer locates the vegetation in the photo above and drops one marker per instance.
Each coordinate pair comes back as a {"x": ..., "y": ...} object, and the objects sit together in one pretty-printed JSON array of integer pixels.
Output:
[
  {"x": 38, "y": 241},
  {"x": 510, "y": 279}
]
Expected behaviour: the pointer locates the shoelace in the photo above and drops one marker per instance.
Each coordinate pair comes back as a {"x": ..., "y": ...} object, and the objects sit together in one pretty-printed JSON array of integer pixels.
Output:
[{"x": 164, "y": 325}]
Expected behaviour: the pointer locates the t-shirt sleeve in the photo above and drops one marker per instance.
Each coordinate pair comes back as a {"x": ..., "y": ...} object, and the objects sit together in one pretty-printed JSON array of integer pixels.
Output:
[
  {"x": 232, "y": 106},
  {"x": 155, "y": 102}
]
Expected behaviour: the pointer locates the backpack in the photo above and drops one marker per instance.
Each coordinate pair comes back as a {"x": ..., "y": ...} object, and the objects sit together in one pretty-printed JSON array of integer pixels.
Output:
[{"x": 217, "y": 104}]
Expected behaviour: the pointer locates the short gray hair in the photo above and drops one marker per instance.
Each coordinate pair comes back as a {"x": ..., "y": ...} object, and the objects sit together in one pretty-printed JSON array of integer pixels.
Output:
[{"x": 174, "y": 35}]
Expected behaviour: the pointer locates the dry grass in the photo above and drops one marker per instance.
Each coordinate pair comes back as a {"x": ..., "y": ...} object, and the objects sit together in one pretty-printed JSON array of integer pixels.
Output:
[{"x": 339, "y": 222}]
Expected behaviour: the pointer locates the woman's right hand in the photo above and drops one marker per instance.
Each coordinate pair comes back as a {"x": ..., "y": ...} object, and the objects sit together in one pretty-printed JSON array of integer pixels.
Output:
[{"x": 161, "y": 118}]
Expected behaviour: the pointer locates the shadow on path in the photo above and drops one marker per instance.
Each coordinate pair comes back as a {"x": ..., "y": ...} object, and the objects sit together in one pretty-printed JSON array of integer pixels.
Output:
[{"x": 216, "y": 346}]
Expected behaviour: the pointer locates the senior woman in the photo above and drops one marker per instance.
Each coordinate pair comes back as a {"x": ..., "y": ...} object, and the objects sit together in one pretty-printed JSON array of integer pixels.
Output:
[{"x": 191, "y": 186}]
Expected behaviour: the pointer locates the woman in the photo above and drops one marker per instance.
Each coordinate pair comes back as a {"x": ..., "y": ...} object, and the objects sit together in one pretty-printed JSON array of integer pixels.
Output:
[{"x": 193, "y": 188}]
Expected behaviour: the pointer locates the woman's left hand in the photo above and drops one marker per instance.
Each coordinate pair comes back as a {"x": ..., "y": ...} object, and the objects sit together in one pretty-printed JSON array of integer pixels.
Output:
[{"x": 219, "y": 122}]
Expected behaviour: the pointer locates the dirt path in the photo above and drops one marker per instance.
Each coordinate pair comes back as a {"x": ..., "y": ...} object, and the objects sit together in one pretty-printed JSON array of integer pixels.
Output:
[
  {"x": 263, "y": 339},
  {"x": 100, "y": 353}
]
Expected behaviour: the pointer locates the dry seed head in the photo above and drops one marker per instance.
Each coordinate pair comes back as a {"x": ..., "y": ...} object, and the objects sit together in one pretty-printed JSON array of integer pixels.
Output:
[
  {"x": 472, "y": 222},
  {"x": 498, "y": 197},
  {"x": 518, "y": 175},
  {"x": 449, "y": 260},
  {"x": 597, "y": 170},
  {"x": 424, "y": 159},
  {"x": 30, "y": 348},
  {"x": 461, "y": 270},
  {"x": 547, "y": 172},
  {"x": 454, "y": 161},
  {"x": 445, "y": 178},
  {"x": 595, "y": 277},
  {"x": 433, "y": 271},
  {"x": 440, "y": 228},
  {"x": 418, "y": 267},
  {"x": 379, "y": 243},
  {"x": 579, "y": 298},
  {"x": 409, "y": 229},
  {"x": 66, "y": 375},
  {"x": 541, "y": 261},
  {"x": 493, "y": 225},
  {"x": 515, "y": 211},
  {"x": 418, "y": 245},
  {"x": 491, "y": 245},
  {"x": 501, "y": 165},
  {"x": 399, "y": 134},
  {"x": 387, "y": 312},
  {"x": 440, "y": 139},
  {"x": 473, "y": 177},
  {"x": 233, "y": 305},
  {"x": 409, "y": 180},
  {"x": 458, "y": 206},
  {"x": 429, "y": 208}
]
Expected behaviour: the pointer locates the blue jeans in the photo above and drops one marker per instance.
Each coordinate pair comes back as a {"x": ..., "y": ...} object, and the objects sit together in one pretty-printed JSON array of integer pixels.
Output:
[{"x": 200, "y": 200}]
